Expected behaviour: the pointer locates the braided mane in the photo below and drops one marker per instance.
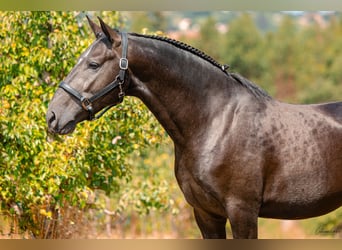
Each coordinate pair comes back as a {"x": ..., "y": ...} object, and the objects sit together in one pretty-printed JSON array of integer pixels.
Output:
[
  {"x": 186, "y": 47},
  {"x": 253, "y": 88}
]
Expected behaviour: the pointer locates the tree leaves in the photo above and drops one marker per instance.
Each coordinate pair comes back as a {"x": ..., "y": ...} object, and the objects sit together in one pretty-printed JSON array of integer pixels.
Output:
[{"x": 39, "y": 171}]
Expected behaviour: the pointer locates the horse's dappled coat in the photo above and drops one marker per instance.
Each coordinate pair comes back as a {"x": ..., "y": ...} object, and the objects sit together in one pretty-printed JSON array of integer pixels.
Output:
[{"x": 239, "y": 154}]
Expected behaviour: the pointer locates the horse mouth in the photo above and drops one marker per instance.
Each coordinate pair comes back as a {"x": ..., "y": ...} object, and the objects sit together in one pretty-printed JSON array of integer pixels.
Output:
[{"x": 67, "y": 129}]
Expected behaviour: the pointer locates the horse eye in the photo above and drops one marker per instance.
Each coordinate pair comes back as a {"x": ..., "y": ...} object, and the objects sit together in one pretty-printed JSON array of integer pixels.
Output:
[{"x": 94, "y": 65}]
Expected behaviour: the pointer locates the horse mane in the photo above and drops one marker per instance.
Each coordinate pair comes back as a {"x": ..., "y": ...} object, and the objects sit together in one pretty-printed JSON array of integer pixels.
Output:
[{"x": 253, "y": 88}]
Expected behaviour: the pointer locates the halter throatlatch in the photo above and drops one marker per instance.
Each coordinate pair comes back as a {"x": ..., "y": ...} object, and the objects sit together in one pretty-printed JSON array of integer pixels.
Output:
[{"x": 87, "y": 103}]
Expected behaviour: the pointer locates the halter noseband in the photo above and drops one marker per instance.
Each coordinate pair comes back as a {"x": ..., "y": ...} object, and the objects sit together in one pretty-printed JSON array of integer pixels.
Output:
[{"x": 87, "y": 103}]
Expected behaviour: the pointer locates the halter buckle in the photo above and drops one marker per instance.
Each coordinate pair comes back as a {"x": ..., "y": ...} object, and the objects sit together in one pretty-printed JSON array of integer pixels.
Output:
[
  {"x": 123, "y": 63},
  {"x": 86, "y": 103}
]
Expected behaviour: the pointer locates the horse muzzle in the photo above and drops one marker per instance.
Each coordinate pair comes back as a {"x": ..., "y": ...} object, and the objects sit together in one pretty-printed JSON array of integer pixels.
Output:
[{"x": 56, "y": 126}]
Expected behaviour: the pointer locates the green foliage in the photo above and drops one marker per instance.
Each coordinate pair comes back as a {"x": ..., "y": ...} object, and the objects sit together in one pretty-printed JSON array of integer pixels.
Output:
[
  {"x": 244, "y": 48},
  {"x": 41, "y": 175},
  {"x": 153, "y": 175},
  {"x": 152, "y": 20},
  {"x": 330, "y": 225},
  {"x": 210, "y": 40}
]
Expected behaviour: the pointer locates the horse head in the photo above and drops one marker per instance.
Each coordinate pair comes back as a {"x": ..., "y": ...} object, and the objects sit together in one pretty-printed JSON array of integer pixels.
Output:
[{"x": 97, "y": 82}]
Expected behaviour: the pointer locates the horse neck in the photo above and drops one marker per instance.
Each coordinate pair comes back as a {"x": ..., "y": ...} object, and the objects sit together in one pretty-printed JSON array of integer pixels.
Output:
[{"x": 182, "y": 90}]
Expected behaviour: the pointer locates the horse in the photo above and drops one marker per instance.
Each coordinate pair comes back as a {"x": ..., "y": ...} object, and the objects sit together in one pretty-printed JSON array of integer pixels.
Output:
[{"x": 239, "y": 153}]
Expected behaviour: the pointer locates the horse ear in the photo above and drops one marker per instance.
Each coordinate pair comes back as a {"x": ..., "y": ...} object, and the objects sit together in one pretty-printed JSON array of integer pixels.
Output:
[
  {"x": 95, "y": 28},
  {"x": 113, "y": 36}
]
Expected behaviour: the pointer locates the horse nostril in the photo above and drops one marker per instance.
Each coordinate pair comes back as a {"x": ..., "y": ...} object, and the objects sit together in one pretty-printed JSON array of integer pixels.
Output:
[{"x": 51, "y": 119}]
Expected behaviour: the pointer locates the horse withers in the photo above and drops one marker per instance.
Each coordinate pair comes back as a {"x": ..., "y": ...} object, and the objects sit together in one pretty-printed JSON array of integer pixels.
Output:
[{"x": 239, "y": 153}]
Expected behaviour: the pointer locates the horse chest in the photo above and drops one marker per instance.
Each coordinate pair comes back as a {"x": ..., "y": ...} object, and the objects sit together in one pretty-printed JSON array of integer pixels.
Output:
[{"x": 198, "y": 192}]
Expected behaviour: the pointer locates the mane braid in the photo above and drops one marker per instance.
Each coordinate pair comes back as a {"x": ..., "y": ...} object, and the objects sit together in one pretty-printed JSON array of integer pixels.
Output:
[
  {"x": 186, "y": 47},
  {"x": 250, "y": 86}
]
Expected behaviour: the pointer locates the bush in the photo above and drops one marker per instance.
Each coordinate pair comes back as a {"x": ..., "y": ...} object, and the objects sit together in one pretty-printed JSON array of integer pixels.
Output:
[{"x": 44, "y": 177}]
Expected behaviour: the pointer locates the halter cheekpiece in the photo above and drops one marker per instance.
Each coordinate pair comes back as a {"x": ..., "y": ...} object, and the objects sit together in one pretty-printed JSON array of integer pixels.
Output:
[{"x": 87, "y": 103}]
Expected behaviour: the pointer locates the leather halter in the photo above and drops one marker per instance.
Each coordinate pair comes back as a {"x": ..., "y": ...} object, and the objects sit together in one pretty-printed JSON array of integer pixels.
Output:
[{"x": 87, "y": 103}]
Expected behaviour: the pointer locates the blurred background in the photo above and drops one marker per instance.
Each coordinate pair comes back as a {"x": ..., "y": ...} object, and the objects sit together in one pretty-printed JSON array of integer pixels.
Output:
[{"x": 114, "y": 178}]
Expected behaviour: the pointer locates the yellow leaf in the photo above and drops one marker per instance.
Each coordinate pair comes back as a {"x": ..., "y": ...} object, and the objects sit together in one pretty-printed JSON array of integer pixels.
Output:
[
  {"x": 42, "y": 211},
  {"x": 49, "y": 215}
]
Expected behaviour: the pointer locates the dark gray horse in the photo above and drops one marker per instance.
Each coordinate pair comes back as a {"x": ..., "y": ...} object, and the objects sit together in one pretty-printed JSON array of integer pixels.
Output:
[{"x": 239, "y": 154}]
